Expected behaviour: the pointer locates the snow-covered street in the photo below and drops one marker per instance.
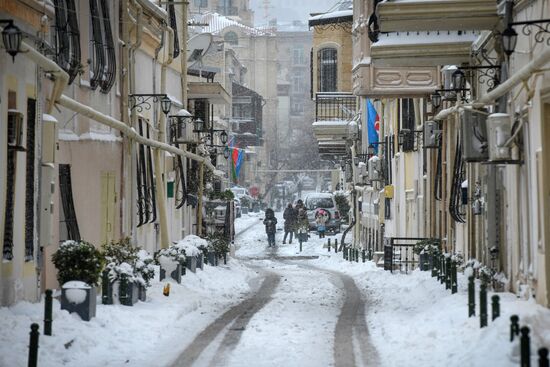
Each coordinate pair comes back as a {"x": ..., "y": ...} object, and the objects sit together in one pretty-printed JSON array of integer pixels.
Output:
[{"x": 280, "y": 307}]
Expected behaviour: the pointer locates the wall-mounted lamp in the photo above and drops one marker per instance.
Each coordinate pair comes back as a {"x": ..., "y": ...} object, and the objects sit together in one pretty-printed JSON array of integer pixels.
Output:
[
  {"x": 141, "y": 101},
  {"x": 12, "y": 37},
  {"x": 509, "y": 37}
]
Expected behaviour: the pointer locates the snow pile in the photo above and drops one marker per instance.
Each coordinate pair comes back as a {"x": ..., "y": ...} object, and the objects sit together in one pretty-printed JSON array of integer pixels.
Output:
[{"x": 191, "y": 244}]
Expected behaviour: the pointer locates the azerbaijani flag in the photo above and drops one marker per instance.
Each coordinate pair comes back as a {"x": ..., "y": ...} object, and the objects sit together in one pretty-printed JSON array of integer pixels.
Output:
[
  {"x": 236, "y": 155},
  {"x": 373, "y": 125}
]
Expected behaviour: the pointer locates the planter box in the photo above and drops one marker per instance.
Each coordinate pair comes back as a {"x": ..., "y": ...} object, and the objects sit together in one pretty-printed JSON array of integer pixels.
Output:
[
  {"x": 80, "y": 300},
  {"x": 200, "y": 261},
  {"x": 176, "y": 274},
  {"x": 142, "y": 294},
  {"x": 244, "y": 210},
  {"x": 425, "y": 262},
  {"x": 191, "y": 263},
  {"x": 212, "y": 258},
  {"x": 130, "y": 295}
]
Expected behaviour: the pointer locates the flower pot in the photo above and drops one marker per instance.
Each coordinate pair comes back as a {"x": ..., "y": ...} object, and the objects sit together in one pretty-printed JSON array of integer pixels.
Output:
[
  {"x": 212, "y": 258},
  {"x": 128, "y": 292},
  {"x": 200, "y": 261},
  {"x": 425, "y": 262},
  {"x": 191, "y": 263},
  {"x": 175, "y": 274},
  {"x": 80, "y": 298}
]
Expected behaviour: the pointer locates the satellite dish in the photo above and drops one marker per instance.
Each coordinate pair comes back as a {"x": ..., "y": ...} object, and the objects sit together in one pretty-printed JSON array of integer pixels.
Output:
[{"x": 197, "y": 47}]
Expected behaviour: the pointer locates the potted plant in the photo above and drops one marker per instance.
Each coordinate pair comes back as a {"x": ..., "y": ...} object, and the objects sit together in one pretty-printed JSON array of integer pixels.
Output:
[
  {"x": 127, "y": 273},
  {"x": 190, "y": 244},
  {"x": 245, "y": 204},
  {"x": 172, "y": 261},
  {"x": 220, "y": 245},
  {"x": 426, "y": 250},
  {"x": 78, "y": 265}
]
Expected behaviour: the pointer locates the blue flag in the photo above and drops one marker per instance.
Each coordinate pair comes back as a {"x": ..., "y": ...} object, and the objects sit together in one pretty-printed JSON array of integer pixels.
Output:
[{"x": 373, "y": 125}]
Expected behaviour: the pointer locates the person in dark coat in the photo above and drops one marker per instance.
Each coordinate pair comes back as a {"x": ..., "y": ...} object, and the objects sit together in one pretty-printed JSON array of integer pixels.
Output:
[
  {"x": 289, "y": 216},
  {"x": 270, "y": 223}
]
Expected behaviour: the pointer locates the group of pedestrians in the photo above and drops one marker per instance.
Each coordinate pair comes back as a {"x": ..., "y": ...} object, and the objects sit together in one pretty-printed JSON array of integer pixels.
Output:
[{"x": 296, "y": 223}]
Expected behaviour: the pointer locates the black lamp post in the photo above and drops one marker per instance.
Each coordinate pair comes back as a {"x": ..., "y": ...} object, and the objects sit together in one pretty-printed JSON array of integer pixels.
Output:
[
  {"x": 436, "y": 99},
  {"x": 11, "y": 36}
]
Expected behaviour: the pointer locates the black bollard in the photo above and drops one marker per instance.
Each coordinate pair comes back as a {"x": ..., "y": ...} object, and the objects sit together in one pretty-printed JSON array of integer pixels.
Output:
[
  {"x": 336, "y": 245},
  {"x": 300, "y": 246},
  {"x": 357, "y": 255},
  {"x": 344, "y": 252},
  {"x": 106, "y": 291},
  {"x": 225, "y": 258},
  {"x": 514, "y": 327},
  {"x": 364, "y": 255},
  {"x": 483, "y": 305},
  {"x": 48, "y": 312},
  {"x": 435, "y": 268},
  {"x": 495, "y": 307},
  {"x": 329, "y": 245},
  {"x": 525, "y": 347},
  {"x": 454, "y": 281},
  {"x": 543, "y": 357},
  {"x": 442, "y": 269},
  {"x": 33, "y": 346},
  {"x": 471, "y": 296},
  {"x": 448, "y": 272}
]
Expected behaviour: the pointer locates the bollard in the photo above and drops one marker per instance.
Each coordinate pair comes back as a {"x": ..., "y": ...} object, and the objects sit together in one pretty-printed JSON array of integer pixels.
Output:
[
  {"x": 454, "y": 285},
  {"x": 442, "y": 269},
  {"x": 483, "y": 305},
  {"x": 124, "y": 295},
  {"x": 335, "y": 245},
  {"x": 357, "y": 255},
  {"x": 33, "y": 346},
  {"x": 435, "y": 268},
  {"x": 225, "y": 258},
  {"x": 514, "y": 327},
  {"x": 48, "y": 313},
  {"x": 106, "y": 294},
  {"x": 300, "y": 246},
  {"x": 364, "y": 255},
  {"x": 543, "y": 357},
  {"x": 344, "y": 252},
  {"x": 329, "y": 245},
  {"x": 525, "y": 348},
  {"x": 448, "y": 272},
  {"x": 471, "y": 296},
  {"x": 495, "y": 307}
]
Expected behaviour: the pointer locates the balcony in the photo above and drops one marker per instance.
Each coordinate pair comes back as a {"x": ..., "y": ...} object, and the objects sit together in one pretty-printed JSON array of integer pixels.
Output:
[
  {"x": 334, "y": 106},
  {"x": 437, "y": 15}
]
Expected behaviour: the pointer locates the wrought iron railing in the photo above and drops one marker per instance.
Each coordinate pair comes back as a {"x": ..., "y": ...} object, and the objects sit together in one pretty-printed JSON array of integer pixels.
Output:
[
  {"x": 334, "y": 106},
  {"x": 399, "y": 253}
]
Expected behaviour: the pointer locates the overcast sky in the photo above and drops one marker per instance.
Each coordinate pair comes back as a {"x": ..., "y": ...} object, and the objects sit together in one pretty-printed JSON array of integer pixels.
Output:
[{"x": 289, "y": 10}]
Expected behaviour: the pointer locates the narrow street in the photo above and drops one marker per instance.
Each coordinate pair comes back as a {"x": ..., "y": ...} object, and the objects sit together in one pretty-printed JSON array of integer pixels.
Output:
[{"x": 295, "y": 312}]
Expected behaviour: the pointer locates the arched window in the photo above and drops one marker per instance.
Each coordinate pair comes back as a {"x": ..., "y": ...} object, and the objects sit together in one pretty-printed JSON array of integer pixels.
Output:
[
  {"x": 328, "y": 61},
  {"x": 231, "y": 38}
]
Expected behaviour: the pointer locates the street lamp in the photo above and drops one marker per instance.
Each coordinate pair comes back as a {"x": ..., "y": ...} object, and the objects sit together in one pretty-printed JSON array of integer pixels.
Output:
[
  {"x": 226, "y": 153},
  {"x": 436, "y": 99},
  {"x": 509, "y": 40},
  {"x": 11, "y": 36},
  {"x": 165, "y": 104},
  {"x": 459, "y": 80},
  {"x": 199, "y": 125},
  {"x": 223, "y": 137}
]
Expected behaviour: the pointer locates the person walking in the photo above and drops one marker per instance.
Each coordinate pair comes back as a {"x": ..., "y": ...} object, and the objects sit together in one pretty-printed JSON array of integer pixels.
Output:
[
  {"x": 302, "y": 226},
  {"x": 270, "y": 223},
  {"x": 289, "y": 216},
  {"x": 321, "y": 218}
]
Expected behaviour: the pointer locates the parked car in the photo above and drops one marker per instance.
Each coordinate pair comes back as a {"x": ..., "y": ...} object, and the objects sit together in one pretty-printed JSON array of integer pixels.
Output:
[
  {"x": 239, "y": 191},
  {"x": 318, "y": 200},
  {"x": 308, "y": 183}
]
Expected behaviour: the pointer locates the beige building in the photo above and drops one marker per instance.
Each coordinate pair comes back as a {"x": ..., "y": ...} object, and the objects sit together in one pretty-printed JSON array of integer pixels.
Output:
[
  {"x": 88, "y": 141},
  {"x": 450, "y": 166}
]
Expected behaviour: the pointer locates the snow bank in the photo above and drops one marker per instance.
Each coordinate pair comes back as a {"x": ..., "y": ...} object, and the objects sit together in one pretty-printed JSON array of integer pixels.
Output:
[{"x": 191, "y": 245}]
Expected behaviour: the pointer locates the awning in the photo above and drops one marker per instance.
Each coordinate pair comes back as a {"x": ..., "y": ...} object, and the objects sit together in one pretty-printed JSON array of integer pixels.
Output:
[
  {"x": 214, "y": 92},
  {"x": 434, "y": 15}
]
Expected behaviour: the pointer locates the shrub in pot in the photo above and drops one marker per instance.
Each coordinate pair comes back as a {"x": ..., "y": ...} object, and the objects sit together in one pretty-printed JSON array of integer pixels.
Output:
[
  {"x": 426, "y": 250},
  {"x": 172, "y": 262},
  {"x": 78, "y": 265},
  {"x": 220, "y": 244},
  {"x": 191, "y": 244},
  {"x": 127, "y": 274}
]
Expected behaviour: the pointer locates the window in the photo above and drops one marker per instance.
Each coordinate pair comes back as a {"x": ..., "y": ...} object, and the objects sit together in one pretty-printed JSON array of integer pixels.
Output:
[
  {"x": 407, "y": 123},
  {"x": 67, "y": 205},
  {"x": 298, "y": 82},
  {"x": 328, "y": 59},
  {"x": 231, "y": 38},
  {"x": 14, "y": 119},
  {"x": 297, "y": 108},
  {"x": 102, "y": 49},
  {"x": 67, "y": 37},
  {"x": 29, "y": 180},
  {"x": 145, "y": 181},
  {"x": 201, "y": 3},
  {"x": 298, "y": 56}
]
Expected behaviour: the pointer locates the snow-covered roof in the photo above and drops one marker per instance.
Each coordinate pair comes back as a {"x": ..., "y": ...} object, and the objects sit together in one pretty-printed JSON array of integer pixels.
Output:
[
  {"x": 331, "y": 123},
  {"x": 217, "y": 23},
  {"x": 340, "y": 12},
  {"x": 334, "y": 14}
]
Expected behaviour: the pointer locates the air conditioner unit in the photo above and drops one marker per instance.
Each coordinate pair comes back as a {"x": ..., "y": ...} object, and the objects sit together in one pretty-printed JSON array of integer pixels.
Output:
[
  {"x": 49, "y": 138},
  {"x": 333, "y": 130},
  {"x": 15, "y": 130},
  {"x": 375, "y": 166},
  {"x": 499, "y": 126},
  {"x": 431, "y": 134},
  {"x": 474, "y": 136}
]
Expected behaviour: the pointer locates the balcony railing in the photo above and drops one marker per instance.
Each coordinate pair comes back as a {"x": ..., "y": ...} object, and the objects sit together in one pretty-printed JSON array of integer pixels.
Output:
[{"x": 334, "y": 106}]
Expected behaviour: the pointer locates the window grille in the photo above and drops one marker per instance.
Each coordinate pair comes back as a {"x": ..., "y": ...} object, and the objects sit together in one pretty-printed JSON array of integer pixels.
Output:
[
  {"x": 152, "y": 204},
  {"x": 407, "y": 123},
  {"x": 109, "y": 67},
  {"x": 181, "y": 186},
  {"x": 7, "y": 253},
  {"x": 174, "y": 26},
  {"x": 328, "y": 62},
  {"x": 29, "y": 180},
  {"x": 66, "y": 193},
  {"x": 97, "y": 55},
  {"x": 67, "y": 38},
  {"x": 145, "y": 180}
]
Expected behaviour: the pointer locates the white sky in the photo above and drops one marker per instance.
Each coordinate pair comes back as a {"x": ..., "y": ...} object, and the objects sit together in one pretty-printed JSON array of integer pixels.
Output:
[{"x": 289, "y": 10}]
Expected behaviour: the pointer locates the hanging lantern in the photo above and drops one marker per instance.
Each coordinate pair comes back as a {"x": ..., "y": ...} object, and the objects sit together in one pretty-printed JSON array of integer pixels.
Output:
[
  {"x": 509, "y": 40},
  {"x": 165, "y": 104},
  {"x": 11, "y": 35}
]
